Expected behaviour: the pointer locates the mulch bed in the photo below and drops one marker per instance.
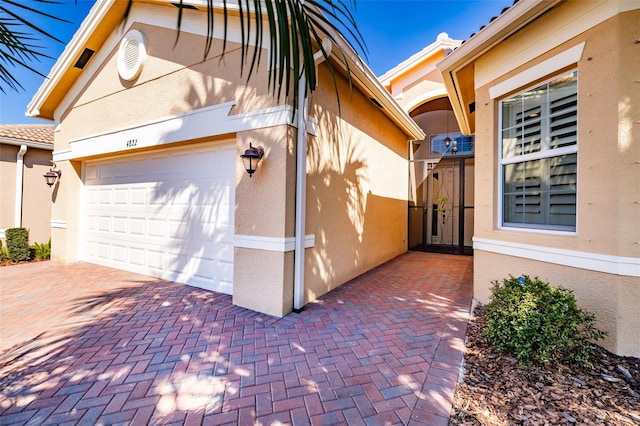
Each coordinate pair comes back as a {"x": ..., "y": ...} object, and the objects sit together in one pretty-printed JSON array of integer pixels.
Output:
[
  {"x": 496, "y": 390},
  {"x": 11, "y": 263}
]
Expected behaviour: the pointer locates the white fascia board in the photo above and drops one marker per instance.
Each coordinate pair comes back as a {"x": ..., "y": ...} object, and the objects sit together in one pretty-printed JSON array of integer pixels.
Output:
[
  {"x": 417, "y": 58},
  {"x": 451, "y": 86},
  {"x": 29, "y": 144},
  {"x": 618, "y": 265},
  {"x": 180, "y": 127},
  {"x": 510, "y": 21},
  {"x": 372, "y": 87},
  {"x": 65, "y": 61}
]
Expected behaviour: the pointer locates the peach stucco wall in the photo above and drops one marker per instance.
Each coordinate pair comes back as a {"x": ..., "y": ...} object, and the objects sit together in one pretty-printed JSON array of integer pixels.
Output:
[
  {"x": 357, "y": 187},
  {"x": 608, "y": 211},
  {"x": 36, "y": 195}
]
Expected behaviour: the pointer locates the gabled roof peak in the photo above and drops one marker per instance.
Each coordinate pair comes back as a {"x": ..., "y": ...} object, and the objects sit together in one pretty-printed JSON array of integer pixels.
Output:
[{"x": 443, "y": 42}]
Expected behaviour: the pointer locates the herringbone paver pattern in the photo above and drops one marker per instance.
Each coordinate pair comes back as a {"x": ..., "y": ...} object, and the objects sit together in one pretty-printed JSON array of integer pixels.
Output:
[{"x": 119, "y": 348}]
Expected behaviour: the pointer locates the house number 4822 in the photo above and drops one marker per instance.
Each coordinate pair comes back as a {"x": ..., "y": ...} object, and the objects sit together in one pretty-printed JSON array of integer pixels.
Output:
[{"x": 132, "y": 143}]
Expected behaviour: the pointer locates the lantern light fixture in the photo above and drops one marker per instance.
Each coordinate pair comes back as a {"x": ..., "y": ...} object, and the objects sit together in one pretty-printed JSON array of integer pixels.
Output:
[
  {"x": 251, "y": 158},
  {"x": 52, "y": 176}
]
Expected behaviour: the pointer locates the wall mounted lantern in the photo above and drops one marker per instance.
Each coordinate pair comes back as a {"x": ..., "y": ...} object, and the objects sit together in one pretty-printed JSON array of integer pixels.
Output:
[
  {"x": 52, "y": 175},
  {"x": 447, "y": 141},
  {"x": 251, "y": 158}
]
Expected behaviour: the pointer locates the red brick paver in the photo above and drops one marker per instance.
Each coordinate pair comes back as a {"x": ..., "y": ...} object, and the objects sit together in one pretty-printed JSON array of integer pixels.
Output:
[{"x": 83, "y": 344}]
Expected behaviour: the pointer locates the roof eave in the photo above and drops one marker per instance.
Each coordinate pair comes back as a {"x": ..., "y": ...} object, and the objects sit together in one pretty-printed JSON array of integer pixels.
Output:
[
  {"x": 65, "y": 61},
  {"x": 29, "y": 144},
  {"x": 419, "y": 57},
  {"x": 511, "y": 21},
  {"x": 372, "y": 87},
  {"x": 98, "y": 12}
]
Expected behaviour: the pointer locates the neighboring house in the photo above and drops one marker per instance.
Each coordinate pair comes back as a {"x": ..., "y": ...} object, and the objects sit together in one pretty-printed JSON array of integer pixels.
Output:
[
  {"x": 25, "y": 156},
  {"x": 441, "y": 166},
  {"x": 149, "y": 137},
  {"x": 551, "y": 91}
]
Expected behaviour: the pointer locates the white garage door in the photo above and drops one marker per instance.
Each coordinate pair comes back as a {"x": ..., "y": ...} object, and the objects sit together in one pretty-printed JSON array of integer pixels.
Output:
[{"x": 168, "y": 214}]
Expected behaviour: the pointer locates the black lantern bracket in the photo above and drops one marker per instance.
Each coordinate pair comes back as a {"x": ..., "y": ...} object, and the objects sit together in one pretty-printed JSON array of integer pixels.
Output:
[
  {"x": 251, "y": 158},
  {"x": 52, "y": 176}
]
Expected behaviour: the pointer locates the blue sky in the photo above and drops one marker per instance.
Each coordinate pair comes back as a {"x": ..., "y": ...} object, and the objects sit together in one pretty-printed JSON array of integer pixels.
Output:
[{"x": 392, "y": 29}]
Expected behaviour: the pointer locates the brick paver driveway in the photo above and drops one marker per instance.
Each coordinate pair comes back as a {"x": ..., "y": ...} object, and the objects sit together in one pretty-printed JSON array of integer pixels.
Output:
[{"x": 99, "y": 346}]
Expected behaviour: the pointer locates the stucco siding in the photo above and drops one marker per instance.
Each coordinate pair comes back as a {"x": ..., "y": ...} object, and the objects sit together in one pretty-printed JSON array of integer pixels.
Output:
[
  {"x": 605, "y": 104},
  {"x": 608, "y": 212},
  {"x": 8, "y": 155},
  {"x": 356, "y": 159},
  {"x": 356, "y": 191},
  {"x": 173, "y": 80},
  {"x": 36, "y": 195},
  {"x": 36, "y": 199}
]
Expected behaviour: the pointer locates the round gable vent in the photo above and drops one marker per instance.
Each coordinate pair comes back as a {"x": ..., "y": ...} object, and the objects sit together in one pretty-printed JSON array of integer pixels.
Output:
[{"x": 131, "y": 55}]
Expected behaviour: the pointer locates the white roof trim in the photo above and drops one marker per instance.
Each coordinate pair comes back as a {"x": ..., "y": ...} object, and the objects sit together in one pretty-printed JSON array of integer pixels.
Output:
[
  {"x": 65, "y": 61},
  {"x": 443, "y": 41},
  {"x": 373, "y": 87},
  {"x": 28, "y": 143},
  {"x": 360, "y": 71},
  {"x": 481, "y": 41},
  {"x": 508, "y": 22}
]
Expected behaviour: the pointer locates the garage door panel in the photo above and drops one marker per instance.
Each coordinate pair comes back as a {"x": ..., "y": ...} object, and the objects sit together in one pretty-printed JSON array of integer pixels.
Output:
[
  {"x": 138, "y": 256},
  {"x": 157, "y": 228},
  {"x": 120, "y": 224},
  {"x": 119, "y": 253},
  {"x": 168, "y": 215},
  {"x": 121, "y": 196},
  {"x": 103, "y": 251},
  {"x": 136, "y": 226}
]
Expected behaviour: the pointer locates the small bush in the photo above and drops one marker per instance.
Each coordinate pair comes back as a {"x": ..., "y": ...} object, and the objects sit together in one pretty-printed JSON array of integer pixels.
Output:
[
  {"x": 18, "y": 244},
  {"x": 42, "y": 251},
  {"x": 536, "y": 323},
  {"x": 4, "y": 252}
]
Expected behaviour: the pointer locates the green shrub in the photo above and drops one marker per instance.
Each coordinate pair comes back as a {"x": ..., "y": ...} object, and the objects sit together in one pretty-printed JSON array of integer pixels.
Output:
[
  {"x": 536, "y": 323},
  {"x": 4, "y": 252},
  {"x": 42, "y": 251},
  {"x": 18, "y": 244}
]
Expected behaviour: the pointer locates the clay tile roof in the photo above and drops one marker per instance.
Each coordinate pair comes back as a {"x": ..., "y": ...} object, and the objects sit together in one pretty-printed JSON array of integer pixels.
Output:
[
  {"x": 492, "y": 19},
  {"x": 28, "y": 132}
]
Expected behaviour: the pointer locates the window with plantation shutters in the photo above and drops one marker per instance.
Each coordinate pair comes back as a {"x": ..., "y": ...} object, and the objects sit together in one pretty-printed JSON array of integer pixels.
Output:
[{"x": 539, "y": 147}]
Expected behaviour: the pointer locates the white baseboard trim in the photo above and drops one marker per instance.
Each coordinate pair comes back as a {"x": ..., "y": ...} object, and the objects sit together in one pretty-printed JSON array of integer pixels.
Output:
[
  {"x": 271, "y": 243},
  {"x": 618, "y": 265},
  {"x": 58, "y": 223}
]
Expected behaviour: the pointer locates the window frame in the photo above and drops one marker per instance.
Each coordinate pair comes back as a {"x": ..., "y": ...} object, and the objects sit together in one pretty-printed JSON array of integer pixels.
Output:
[{"x": 543, "y": 154}]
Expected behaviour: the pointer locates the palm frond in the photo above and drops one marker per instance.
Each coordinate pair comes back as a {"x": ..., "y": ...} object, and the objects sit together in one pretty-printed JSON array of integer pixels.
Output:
[
  {"x": 17, "y": 34},
  {"x": 295, "y": 28}
]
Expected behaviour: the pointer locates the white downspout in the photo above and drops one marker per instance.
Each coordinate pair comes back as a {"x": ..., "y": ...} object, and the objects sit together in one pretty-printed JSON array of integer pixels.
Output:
[
  {"x": 19, "y": 174},
  {"x": 301, "y": 184}
]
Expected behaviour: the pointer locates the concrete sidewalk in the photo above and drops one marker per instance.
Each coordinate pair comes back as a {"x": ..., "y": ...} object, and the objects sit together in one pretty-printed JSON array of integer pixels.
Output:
[{"x": 84, "y": 344}]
